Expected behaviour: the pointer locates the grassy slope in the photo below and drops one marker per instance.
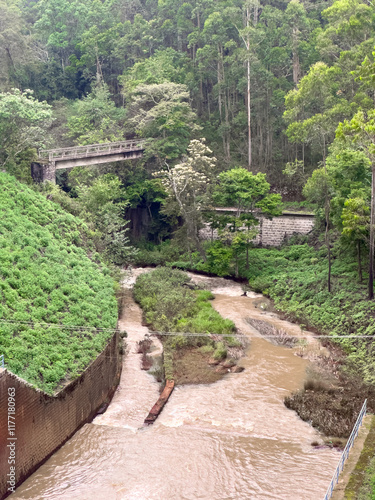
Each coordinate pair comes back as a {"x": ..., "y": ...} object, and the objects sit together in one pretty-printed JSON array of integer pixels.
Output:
[
  {"x": 46, "y": 276},
  {"x": 296, "y": 278}
]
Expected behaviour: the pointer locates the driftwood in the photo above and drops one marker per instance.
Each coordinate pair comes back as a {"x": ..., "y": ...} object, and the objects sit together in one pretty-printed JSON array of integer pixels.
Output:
[{"x": 159, "y": 405}]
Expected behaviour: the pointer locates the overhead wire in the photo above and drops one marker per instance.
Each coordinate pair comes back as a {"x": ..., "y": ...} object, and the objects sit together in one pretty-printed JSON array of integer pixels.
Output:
[{"x": 173, "y": 334}]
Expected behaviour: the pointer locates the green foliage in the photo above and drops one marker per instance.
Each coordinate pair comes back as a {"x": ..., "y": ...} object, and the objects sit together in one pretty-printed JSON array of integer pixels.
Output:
[
  {"x": 48, "y": 278},
  {"x": 162, "y": 111},
  {"x": 220, "y": 351},
  {"x": 240, "y": 188},
  {"x": 219, "y": 258},
  {"x": 95, "y": 118},
  {"x": 100, "y": 203},
  {"x": 170, "y": 305},
  {"x": 23, "y": 124}
]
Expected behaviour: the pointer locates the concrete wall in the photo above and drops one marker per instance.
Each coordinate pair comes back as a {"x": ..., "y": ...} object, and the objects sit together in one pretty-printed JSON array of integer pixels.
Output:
[
  {"x": 273, "y": 232},
  {"x": 40, "y": 423}
]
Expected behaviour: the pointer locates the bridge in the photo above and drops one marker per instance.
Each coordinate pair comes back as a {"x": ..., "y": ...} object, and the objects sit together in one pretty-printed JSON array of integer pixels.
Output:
[{"x": 51, "y": 160}]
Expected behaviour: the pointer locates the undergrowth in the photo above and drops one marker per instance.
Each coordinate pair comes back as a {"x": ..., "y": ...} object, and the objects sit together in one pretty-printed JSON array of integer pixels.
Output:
[
  {"x": 171, "y": 304},
  {"x": 295, "y": 277},
  {"x": 47, "y": 277}
]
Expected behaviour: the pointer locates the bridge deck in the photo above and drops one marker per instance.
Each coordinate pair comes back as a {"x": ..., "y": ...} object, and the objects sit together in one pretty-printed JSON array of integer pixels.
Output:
[{"x": 91, "y": 151}]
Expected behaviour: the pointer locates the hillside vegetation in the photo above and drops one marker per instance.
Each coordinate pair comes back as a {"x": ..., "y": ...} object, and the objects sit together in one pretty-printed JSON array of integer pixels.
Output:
[
  {"x": 295, "y": 277},
  {"x": 47, "y": 277}
]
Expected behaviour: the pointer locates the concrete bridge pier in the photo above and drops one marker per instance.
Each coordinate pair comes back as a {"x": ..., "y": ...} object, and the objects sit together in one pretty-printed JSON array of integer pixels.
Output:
[{"x": 43, "y": 172}]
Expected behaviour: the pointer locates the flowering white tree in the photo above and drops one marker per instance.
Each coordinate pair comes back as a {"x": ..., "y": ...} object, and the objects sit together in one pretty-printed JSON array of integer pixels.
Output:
[{"x": 189, "y": 184}]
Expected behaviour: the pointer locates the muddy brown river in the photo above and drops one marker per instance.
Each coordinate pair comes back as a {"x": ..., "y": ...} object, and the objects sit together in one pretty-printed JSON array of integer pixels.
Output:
[{"x": 233, "y": 439}]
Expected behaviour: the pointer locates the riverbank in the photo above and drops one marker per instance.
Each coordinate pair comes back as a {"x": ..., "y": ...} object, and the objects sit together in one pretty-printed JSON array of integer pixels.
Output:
[
  {"x": 199, "y": 345},
  {"x": 216, "y": 440},
  {"x": 295, "y": 279}
]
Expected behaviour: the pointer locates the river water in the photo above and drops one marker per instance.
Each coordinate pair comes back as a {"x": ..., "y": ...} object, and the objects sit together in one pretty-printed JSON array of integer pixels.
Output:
[{"x": 233, "y": 439}]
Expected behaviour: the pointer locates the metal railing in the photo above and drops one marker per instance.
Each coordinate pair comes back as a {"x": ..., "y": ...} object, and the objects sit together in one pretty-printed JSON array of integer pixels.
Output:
[
  {"x": 2, "y": 361},
  {"x": 91, "y": 150},
  {"x": 345, "y": 453}
]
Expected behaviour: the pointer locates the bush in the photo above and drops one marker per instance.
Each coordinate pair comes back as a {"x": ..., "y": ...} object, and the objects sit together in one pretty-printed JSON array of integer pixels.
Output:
[
  {"x": 47, "y": 277},
  {"x": 220, "y": 351},
  {"x": 170, "y": 305}
]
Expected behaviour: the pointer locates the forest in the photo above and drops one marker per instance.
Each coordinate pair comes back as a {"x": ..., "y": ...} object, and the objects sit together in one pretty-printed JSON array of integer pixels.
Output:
[{"x": 257, "y": 106}]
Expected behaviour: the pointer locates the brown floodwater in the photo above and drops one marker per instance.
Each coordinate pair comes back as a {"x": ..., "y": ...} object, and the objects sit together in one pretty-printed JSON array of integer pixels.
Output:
[{"x": 233, "y": 439}]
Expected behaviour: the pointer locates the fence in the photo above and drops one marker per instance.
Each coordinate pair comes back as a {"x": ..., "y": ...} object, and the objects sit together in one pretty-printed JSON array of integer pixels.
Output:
[
  {"x": 345, "y": 453},
  {"x": 2, "y": 364}
]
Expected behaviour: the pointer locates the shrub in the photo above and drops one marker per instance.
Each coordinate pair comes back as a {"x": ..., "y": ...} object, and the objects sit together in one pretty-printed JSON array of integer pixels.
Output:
[
  {"x": 47, "y": 277},
  {"x": 220, "y": 351}
]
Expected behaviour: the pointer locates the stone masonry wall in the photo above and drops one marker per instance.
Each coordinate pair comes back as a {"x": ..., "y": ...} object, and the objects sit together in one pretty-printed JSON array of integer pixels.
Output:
[
  {"x": 42, "y": 423},
  {"x": 272, "y": 232}
]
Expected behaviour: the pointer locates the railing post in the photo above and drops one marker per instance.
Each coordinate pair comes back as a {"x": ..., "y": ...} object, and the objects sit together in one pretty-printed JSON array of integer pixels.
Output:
[{"x": 345, "y": 453}]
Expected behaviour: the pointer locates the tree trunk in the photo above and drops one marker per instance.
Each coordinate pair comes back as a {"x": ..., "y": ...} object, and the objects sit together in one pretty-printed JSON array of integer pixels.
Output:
[
  {"x": 296, "y": 63},
  {"x": 249, "y": 112},
  {"x": 359, "y": 261},
  {"x": 328, "y": 244},
  {"x": 248, "y": 92},
  {"x": 371, "y": 256}
]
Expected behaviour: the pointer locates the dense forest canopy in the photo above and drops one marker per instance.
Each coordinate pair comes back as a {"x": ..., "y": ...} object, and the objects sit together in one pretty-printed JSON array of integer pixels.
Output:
[
  {"x": 281, "y": 89},
  {"x": 282, "y": 74}
]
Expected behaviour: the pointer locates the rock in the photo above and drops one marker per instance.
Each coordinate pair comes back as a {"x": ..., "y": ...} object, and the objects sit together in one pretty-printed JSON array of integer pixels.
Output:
[
  {"x": 222, "y": 369},
  {"x": 237, "y": 369},
  {"x": 229, "y": 363}
]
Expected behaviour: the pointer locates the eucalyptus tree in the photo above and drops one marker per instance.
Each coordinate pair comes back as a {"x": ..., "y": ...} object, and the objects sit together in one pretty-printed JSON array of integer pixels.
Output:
[
  {"x": 162, "y": 112},
  {"x": 360, "y": 132},
  {"x": 95, "y": 118}
]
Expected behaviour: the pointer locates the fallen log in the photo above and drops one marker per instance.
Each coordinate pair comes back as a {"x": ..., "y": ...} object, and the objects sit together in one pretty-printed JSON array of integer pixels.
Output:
[{"x": 159, "y": 405}]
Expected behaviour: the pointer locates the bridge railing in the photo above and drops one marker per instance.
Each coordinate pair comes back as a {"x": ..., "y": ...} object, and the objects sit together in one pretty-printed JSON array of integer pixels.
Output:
[
  {"x": 91, "y": 150},
  {"x": 345, "y": 453},
  {"x": 2, "y": 361}
]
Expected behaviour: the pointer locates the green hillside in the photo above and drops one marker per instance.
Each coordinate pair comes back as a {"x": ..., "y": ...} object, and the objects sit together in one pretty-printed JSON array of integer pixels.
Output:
[{"x": 46, "y": 276}]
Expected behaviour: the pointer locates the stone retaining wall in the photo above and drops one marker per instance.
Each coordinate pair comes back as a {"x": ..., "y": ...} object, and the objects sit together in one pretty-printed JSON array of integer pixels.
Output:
[
  {"x": 272, "y": 232},
  {"x": 42, "y": 423}
]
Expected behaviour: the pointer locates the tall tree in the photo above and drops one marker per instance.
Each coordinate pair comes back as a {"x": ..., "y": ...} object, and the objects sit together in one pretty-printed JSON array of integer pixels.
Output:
[
  {"x": 163, "y": 113},
  {"x": 360, "y": 132},
  {"x": 251, "y": 196},
  {"x": 189, "y": 184},
  {"x": 23, "y": 124}
]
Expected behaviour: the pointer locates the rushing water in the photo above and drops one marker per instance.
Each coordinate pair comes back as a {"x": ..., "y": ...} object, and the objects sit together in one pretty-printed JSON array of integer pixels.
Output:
[{"x": 234, "y": 439}]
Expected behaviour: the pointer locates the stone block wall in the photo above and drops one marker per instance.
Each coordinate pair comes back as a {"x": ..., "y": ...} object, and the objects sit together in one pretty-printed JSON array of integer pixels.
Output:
[
  {"x": 43, "y": 172},
  {"x": 33, "y": 425},
  {"x": 272, "y": 232}
]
